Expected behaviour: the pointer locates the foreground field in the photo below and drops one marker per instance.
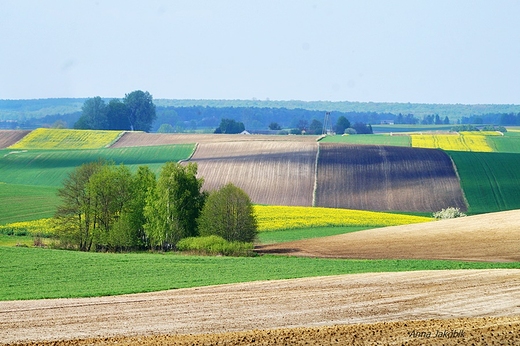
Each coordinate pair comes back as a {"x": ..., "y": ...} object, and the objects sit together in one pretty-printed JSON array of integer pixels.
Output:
[
  {"x": 489, "y": 237},
  {"x": 390, "y": 299}
]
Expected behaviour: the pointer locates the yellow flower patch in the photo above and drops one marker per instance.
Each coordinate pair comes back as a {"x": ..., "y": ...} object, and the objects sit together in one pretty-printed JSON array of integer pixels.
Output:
[
  {"x": 66, "y": 139},
  {"x": 272, "y": 218},
  {"x": 458, "y": 142}
]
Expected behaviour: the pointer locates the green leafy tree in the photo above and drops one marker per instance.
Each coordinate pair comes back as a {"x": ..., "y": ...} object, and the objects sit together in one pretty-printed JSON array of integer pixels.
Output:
[
  {"x": 230, "y": 126},
  {"x": 110, "y": 188},
  {"x": 173, "y": 207},
  {"x": 143, "y": 183},
  {"x": 228, "y": 213},
  {"x": 117, "y": 115},
  {"x": 341, "y": 125},
  {"x": 316, "y": 127},
  {"x": 166, "y": 128},
  {"x": 274, "y": 126},
  {"x": 94, "y": 115},
  {"x": 75, "y": 218},
  {"x": 141, "y": 110}
]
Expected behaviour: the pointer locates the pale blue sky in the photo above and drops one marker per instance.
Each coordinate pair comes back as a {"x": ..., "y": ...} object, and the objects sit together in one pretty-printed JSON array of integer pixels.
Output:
[{"x": 463, "y": 51}]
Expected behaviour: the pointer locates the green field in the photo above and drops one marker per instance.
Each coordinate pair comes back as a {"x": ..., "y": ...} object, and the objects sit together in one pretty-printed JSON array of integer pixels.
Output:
[
  {"x": 399, "y": 140},
  {"x": 32, "y": 273},
  {"x": 25, "y": 202},
  {"x": 36, "y": 175},
  {"x": 491, "y": 181},
  {"x": 50, "y": 167},
  {"x": 509, "y": 143},
  {"x": 271, "y": 237}
]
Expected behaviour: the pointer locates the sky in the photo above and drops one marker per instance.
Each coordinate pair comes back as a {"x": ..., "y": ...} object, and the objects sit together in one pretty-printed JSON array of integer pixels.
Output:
[{"x": 417, "y": 51}]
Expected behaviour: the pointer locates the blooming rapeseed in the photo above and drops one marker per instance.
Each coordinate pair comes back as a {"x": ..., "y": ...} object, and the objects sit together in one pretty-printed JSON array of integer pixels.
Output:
[
  {"x": 458, "y": 142},
  {"x": 271, "y": 218},
  {"x": 66, "y": 139}
]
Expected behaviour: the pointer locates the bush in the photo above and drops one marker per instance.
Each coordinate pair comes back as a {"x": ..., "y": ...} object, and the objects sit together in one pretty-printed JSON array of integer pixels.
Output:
[
  {"x": 448, "y": 213},
  {"x": 215, "y": 245}
]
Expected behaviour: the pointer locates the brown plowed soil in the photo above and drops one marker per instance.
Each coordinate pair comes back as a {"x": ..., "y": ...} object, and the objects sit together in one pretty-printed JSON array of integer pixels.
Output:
[
  {"x": 270, "y": 172},
  {"x": 492, "y": 237},
  {"x": 374, "y": 177},
  {"x": 455, "y": 299},
  {"x": 134, "y": 139},
  {"x": 10, "y": 137}
]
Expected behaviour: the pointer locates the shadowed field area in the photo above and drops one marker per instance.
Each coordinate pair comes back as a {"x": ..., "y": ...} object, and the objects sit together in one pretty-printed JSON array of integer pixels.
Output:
[
  {"x": 371, "y": 177},
  {"x": 488, "y": 237}
]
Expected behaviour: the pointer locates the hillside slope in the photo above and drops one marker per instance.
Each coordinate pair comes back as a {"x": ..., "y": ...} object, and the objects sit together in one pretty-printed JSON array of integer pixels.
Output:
[{"x": 488, "y": 237}]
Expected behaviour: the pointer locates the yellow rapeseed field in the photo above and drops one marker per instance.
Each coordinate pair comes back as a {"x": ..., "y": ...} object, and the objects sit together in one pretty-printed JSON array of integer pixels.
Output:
[
  {"x": 459, "y": 142},
  {"x": 66, "y": 139},
  {"x": 43, "y": 227},
  {"x": 271, "y": 218}
]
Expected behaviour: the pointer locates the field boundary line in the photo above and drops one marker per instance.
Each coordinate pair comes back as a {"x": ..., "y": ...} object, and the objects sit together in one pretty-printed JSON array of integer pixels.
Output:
[
  {"x": 458, "y": 178},
  {"x": 315, "y": 176},
  {"x": 109, "y": 145},
  {"x": 195, "y": 147}
]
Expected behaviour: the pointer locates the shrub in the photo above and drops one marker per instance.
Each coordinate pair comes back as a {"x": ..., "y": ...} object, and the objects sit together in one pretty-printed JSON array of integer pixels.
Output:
[
  {"x": 215, "y": 245},
  {"x": 448, "y": 213}
]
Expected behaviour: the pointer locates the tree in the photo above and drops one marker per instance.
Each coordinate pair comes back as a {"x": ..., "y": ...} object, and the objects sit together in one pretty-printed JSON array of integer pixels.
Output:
[
  {"x": 143, "y": 183},
  {"x": 166, "y": 128},
  {"x": 141, "y": 110},
  {"x": 341, "y": 125},
  {"x": 362, "y": 128},
  {"x": 274, "y": 126},
  {"x": 228, "y": 213},
  {"x": 110, "y": 188},
  {"x": 174, "y": 205},
  {"x": 316, "y": 127},
  {"x": 75, "y": 218},
  {"x": 117, "y": 115},
  {"x": 94, "y": 115},
  {"x": 230, "y": 126}
]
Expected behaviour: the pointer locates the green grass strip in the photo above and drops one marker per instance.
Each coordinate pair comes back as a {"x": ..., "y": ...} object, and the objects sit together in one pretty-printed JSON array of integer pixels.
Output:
[
  {"x": 33, "y": 273},
  {"x": 272, "y": 237}
]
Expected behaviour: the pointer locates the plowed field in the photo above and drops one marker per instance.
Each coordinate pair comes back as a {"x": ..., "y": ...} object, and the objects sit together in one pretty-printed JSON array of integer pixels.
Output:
[
  {"x": 9, "y": 137},
  {"x": 270, "y": 172},
  {"x": 488, "y": 237},
  {"x": 386, "y": 178},
  {"x": 366, "y": 308},
  {"x": 133, "y": 139}
]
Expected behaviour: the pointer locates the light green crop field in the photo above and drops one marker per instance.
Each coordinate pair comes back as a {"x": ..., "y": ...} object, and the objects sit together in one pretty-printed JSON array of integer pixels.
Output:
[
  {"x": 376, "y": 139},
  {"x": 32, "y": 273},
  {"x": 509, "y": 143},
  {"x": 491, "y": 181},
  {"x": 50, "y": 167},
  {"x": 282, "y": 236},
  {"x": 26, "y": 202},
  {"x": 29, "y": 179}
]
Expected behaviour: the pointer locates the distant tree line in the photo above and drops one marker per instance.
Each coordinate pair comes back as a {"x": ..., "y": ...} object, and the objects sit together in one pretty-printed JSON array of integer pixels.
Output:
[
  {"x": 107, "y": 208},
  {"x": 136, "y": 113}
]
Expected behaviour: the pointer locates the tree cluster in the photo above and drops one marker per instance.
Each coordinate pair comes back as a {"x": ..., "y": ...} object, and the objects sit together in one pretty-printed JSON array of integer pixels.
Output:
[
  {"x": 107, "y": 208},
  {"x": 135, "y": 113},
  {"x": 230, "y": 126}
]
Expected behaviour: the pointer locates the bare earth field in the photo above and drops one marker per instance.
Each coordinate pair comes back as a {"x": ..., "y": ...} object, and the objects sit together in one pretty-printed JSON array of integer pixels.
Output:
[
  {"x": 133, "y": 139},
  {"x": 270, "y": 172},
  {"x": 374, "y": 177},
  {"x": 9, "y": 137},
  {"x": 490, "y": 237},
  {"x": 359, "y": 309}
]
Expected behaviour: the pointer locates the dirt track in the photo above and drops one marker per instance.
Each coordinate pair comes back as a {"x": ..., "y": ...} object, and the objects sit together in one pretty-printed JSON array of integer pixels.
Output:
[
  {"x": 309, "y": 302},
  {"x": 493, "y": 237}
]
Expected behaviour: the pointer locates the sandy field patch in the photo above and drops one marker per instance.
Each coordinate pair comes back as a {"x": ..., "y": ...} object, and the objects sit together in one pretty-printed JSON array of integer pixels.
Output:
[
  {"x": 308, "y": 302},
  {"x": 492, "y": 237}
]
